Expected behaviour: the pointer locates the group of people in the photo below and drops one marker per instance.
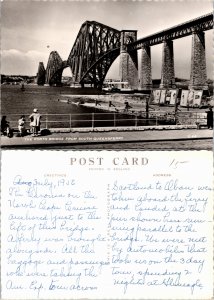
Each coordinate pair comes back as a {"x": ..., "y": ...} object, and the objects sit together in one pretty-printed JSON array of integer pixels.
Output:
[
  {"x": 126, "y": 103},
  {"x": 35, "y": 122}
]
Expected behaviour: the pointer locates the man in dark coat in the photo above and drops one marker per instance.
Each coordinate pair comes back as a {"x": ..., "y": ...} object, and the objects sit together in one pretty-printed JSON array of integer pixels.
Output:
[{"x": 210, "y": 118}]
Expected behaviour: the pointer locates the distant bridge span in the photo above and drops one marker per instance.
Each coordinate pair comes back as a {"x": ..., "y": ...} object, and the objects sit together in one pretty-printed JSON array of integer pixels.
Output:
[
  {"x": 97, "y": 46},
  {"x": 202, "y": 23}
]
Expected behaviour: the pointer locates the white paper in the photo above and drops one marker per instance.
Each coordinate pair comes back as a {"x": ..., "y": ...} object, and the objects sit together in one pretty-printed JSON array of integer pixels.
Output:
[
  {"x": 106, "y": 225},
  {"x": 197, "y": 98},
  {"x": 184, "y": 97},
  {"x": 163, "y": 96}
]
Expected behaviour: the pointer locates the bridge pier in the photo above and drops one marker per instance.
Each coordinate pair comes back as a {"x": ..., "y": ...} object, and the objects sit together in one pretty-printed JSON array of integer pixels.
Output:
[
  {"x": 128, "y": 60},
  {"x": 146, "y": 69},
  {"x": 168, "y": 70},
  {"x": 76, "y": 69},
  {"x": 198, "y": 74}
]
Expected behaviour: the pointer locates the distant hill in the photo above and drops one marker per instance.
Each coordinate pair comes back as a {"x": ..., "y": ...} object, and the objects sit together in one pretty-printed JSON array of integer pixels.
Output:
[
  {"x": 181, "y": 83},
  {"x": 17, "y": 78}
]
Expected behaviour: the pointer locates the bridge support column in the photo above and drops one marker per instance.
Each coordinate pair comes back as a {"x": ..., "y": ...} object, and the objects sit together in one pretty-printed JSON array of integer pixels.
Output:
[
  {"x": 198, "y": 74},
  {"x": 76, "y": 69},
  {"x": 128, "y": 61},
  {"x": 146, "y": 69},
  {"x": 168, "y": 70}
]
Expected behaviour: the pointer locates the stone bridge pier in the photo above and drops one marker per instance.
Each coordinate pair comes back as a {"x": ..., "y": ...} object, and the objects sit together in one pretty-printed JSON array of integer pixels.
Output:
[
  {"x": 146, "y": 69},
  {"x": 198, "y": 74},
  {"x": 128, "y": 60},
  {"x": 168, "y": 69}
]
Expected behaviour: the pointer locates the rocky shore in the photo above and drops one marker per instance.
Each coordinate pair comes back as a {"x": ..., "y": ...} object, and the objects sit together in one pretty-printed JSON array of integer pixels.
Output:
[{"x": 116, "y": 103}]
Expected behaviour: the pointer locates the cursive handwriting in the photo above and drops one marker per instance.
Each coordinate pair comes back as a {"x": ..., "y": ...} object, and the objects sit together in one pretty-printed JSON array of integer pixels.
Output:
[{"x": 72, "y": 237}]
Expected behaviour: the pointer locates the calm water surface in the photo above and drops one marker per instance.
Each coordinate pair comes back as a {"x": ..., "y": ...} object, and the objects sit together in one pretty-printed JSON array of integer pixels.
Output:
[{"x": 16, "y": 103}]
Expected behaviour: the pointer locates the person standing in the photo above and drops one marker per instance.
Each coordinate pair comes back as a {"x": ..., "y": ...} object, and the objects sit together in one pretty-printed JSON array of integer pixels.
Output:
[
  {"x": 35, "y": 122},
  {"x": 127, "y": 106},
  {"x": 21, "y": 125},
  {"x": 210, "y": 118},
  {"x": 4, "y": 125}
]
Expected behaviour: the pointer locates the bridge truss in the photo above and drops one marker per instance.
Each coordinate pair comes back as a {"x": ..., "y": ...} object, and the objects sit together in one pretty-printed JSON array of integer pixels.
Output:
[
  {"x": 196, "y": 25},
  {"x": 97, "y": 46},
  {"x": 95, "y": 49},
  {"x": 54, "y": 69}
]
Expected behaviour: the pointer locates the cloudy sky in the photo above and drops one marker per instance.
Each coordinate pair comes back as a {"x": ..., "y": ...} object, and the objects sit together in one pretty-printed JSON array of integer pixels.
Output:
[{"x": 28, "y": 27}]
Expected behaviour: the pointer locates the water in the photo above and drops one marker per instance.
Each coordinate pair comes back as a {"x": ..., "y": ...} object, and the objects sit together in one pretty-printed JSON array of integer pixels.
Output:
[{"x": 15, "y": 103}]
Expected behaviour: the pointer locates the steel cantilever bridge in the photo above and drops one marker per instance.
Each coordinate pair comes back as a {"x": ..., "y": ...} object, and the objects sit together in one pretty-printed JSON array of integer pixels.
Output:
[{"x": 97, "y": 46}]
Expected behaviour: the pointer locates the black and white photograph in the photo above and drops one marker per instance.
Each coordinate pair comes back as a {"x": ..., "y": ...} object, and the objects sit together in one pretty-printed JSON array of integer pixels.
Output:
[
  {"x": 107, "y": 75},
  {"x": 106, "y": 150}
]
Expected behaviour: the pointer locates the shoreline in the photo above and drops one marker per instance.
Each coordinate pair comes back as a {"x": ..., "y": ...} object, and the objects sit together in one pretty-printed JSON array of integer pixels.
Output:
[
  {"x": 136, "y": 101},
  {"x": 102, "y": 102},
  {"x": 63, "y": 110},
  {"x": 164, "y": 115}
]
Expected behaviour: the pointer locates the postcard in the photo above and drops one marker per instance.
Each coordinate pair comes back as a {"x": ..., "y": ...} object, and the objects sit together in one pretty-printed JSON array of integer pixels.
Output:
[
  {"x": 106, "y": 225},
  {"x": 103, "y": 106},
  {"x": 107, "y": 75}
]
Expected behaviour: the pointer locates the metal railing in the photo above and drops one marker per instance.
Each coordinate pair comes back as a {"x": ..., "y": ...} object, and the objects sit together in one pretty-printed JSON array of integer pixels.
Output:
[{"x": 111, "y": 119}]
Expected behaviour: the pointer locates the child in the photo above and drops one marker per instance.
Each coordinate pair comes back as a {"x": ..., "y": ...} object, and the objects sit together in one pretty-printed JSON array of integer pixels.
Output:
[{"x": 21, "y": 126}]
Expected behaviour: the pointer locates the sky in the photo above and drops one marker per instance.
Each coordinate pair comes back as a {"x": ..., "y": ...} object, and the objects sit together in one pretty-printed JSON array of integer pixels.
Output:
[{"x": 30, "y": 30}]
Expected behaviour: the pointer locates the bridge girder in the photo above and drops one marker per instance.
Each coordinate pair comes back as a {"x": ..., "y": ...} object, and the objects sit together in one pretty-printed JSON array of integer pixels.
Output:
[
  {"x": 97, "y": 46},
  {"x": 92, "y": 55},
  {"x": 54, "y": 69},
  {"x": 196, "y": 25},
  {"x": 97, "y": 72}
]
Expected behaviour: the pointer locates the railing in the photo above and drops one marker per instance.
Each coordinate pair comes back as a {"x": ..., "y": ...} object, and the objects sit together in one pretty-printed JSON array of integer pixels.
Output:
[{"x": 111, "y": 119}]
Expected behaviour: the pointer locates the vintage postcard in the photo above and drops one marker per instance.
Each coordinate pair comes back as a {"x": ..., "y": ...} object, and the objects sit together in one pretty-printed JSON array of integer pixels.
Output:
[
  {"x": 107, "y": 225},
  {"x": 107, "y": 74},
  {"x": 118, "y": 79}
]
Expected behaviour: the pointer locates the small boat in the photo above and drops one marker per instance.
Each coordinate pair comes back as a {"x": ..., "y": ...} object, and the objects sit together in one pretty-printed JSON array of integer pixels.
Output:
[
  {"x": 64, "y": 100},
  {"x": 78, "y": 103},
  {"x": 117, "y": 86}
]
